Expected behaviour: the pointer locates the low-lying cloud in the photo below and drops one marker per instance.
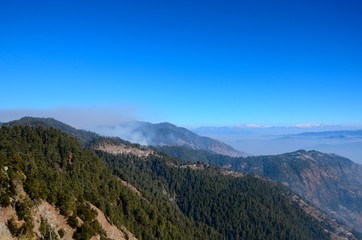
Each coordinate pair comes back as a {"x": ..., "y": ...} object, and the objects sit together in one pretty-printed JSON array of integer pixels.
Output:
[{"x": 128, "y": 131}]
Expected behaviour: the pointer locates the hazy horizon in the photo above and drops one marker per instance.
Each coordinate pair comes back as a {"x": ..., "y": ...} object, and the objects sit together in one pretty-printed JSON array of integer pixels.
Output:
[
  {"x": 88, "y": 119},
  {"x": 248, "y": 138}
]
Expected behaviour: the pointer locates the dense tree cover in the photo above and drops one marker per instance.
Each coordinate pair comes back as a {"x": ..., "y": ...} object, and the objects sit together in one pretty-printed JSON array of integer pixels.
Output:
[
  {"x": 52, "y": 166},
  {"x": 188, "y": 154},
  {"x": 238, "y": 208},
  {"x": 332, "y": 182},
  {"x": 282, "y": 167}
]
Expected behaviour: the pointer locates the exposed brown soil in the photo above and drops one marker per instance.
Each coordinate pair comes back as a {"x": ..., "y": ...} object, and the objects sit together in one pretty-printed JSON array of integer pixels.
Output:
[
  {"x": 131, "y": 187},
  {"x": 6, "y": 214},
  {"x": 54, "y": 218},
  {"x": 124, "y": 149},
  {"x": 111, "y": 230}
]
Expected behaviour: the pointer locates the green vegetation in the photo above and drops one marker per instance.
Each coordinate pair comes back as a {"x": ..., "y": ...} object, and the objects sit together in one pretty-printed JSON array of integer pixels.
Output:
[
  {"x": 47, "y": 231},
  {"x": 175, "y": 201},
  {"x": 53, "y": 166},
  {"x": 61, "y": 233},
  {"x": 238, "y": 208},
  {"x": 330, "y": 181}
]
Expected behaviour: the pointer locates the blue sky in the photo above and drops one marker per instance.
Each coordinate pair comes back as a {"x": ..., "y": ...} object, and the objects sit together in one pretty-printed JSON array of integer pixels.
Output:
[{"x": 191, "y": 63}]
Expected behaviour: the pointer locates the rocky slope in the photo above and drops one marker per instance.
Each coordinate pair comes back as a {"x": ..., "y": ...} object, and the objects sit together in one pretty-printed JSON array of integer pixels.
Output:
[{"x": 39, "y": 219}]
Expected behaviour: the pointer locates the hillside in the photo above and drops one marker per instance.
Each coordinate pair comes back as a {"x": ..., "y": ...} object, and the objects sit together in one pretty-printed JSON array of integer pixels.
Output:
[
  {"x": 210, "y": 196},
  {"x": 154, "y": 196},
  {"x": 330, "y": 182},
  {"x": 41, "y": 164},
  {"x": 166, "y": 134}
]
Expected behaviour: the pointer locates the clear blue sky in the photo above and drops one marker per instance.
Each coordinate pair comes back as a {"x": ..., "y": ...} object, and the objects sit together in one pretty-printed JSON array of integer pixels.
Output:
[{"x": 186, "y": 62}]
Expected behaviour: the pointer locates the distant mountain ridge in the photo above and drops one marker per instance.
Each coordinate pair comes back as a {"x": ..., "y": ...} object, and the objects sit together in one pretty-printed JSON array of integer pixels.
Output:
[
  {"x": 161, "y": 134},
  {"x": 343, "y": 140},
  {"x": 254, "y": 129},
  {"x": 327, "y": 134},
  {"x": 167, "y": 134}
]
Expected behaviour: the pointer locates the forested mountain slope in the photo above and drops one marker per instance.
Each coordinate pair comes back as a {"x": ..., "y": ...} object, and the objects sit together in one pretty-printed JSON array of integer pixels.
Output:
[
  {"x": 217, "y": 198},
  {"x": 329, "y": 181},
  {"x": 51, "y": 166}
]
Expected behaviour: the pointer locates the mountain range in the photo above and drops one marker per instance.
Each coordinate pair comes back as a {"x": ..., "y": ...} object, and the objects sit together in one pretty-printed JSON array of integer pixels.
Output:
[
  {"x": 204, "y": 199},
  {"x": 53, "y": 188},
  {"x": 332, "y": 134},
  {"x": 277, "y": 140},
  {"x": 167, "y": 134}
]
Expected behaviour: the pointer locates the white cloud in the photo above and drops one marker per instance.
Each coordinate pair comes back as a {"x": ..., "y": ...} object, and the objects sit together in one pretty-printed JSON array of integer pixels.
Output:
[
  {"x": 253, "y": 125},
  {"x": 310, "y": 125}
]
